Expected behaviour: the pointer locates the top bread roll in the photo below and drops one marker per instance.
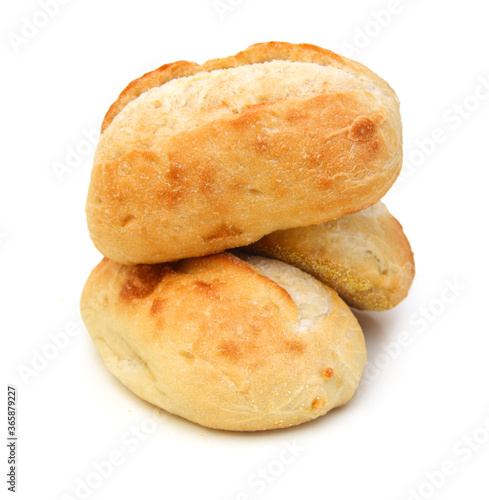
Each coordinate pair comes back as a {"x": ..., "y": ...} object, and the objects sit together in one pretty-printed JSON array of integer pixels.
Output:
[{"x": 196, "y": 159}]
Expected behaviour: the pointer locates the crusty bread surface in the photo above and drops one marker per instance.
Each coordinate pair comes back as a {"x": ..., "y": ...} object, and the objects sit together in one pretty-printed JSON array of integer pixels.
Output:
[
  {"x": 226, "y": 343},
  {"x": 196, "y": 159},
  {"x": 365, "y": 256}
]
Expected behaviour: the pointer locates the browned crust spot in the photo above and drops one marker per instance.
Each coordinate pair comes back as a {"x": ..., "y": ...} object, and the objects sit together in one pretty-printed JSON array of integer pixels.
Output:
[
  {"x": 157, "y": 306},
  {"x": 318, "y": 403},
  {"x": 143, "y": 280},
  {"x": 362, "y": 129},
  {"x": 222, "y": 232},
  {"x": 328, "y": 373},
  {"x": 295, "y": 346},
  {"x": 209, "y": 288},
  {"x": 230, "y": 349}
]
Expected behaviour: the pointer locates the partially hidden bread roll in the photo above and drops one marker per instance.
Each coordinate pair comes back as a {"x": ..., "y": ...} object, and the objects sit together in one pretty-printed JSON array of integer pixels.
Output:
[
  {"x": 197, "y": 159},
  {"x": 226, "y": 343},
  {"x": 365, "y": 256}
]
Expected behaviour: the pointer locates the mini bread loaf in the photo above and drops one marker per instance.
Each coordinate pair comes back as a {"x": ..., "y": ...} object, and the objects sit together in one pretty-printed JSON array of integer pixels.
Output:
[
  {"x": 365, "y": 256},
  {"x": 226, "y": 343},
  {"x": 196, "y": 159}
]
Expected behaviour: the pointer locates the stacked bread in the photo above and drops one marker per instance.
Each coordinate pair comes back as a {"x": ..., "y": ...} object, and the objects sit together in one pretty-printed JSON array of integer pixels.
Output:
[{"x": 237, "y": 204}]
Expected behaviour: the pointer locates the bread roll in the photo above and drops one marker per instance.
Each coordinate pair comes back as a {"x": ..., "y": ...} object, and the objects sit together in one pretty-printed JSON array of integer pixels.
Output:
[
  {"x": 196, "y": 159},
  {"x": 225, "y": 343},
  {"x": 365, "y": 256}
]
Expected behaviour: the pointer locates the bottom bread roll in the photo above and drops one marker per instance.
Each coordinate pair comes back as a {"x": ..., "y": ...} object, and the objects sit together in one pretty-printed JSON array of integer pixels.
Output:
[{"x": 225, "y": 343}]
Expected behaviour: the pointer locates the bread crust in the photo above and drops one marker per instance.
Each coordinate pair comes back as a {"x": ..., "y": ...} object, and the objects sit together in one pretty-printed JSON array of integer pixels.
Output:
[
  {"x": 155, "y": 78},
  {"x": 255, "y": 54},
  {"x": 216, "y": 341},
  {"x": 365, "y": 256},
  {"x": 229, "y": 179}
]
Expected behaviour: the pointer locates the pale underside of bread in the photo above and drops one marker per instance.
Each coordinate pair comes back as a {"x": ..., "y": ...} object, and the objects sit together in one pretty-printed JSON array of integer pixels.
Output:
[
  {"x": 365, "y": 256},
  {"x": 224, "y": 343},
  {"x": 197, "y": 159}
]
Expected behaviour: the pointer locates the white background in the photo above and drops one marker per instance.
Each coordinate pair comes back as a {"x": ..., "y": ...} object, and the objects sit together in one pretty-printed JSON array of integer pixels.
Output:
[{"x": 419, "y": 401}]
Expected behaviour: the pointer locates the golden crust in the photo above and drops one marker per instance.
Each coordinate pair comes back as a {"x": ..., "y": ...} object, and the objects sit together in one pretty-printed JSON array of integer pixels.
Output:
[
  {"x": 255, "y": 54},
  {"x": 364, "y": 256},
  {"x": 216, "y": 341},
  {"x": 229, "y": 179},
  {"x": 149, "y": 80}
]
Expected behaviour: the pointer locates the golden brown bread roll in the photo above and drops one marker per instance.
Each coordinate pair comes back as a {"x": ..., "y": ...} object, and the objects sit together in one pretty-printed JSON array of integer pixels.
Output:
[
  {"x": 226, "y": 343},
  {"x": 364, "y": 256},
  {"x": 197, "y": 159}
]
